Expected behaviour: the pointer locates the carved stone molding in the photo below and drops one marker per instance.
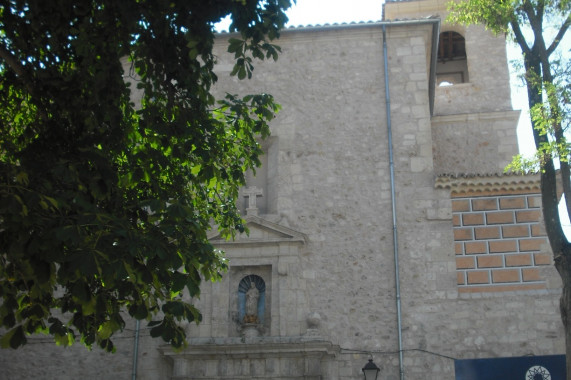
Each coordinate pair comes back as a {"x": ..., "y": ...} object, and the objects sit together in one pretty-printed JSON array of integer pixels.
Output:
[
  {"x": 246, "y": 358},
  {"x": 262, "y": 232},
  {"x": 489, "y": 184},
  {"x": 273, "y": 253}
]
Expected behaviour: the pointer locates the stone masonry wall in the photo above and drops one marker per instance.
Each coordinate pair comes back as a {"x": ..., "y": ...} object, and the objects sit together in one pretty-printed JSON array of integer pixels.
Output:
[{"x": 474, "y": 143}]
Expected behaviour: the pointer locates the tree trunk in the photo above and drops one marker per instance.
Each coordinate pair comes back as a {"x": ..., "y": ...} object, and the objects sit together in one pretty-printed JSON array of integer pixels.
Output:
[
  {"x": 560, "y": 247},
  {"x": 561, "y": 251},
  {"x": 549, "y": 197},
  {"x": 563, "y": 265}
]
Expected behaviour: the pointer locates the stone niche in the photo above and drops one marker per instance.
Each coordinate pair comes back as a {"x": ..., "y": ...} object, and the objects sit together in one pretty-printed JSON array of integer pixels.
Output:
[
  {"x": 271, "y": 253},
  {"x": 240, "y": 277}
]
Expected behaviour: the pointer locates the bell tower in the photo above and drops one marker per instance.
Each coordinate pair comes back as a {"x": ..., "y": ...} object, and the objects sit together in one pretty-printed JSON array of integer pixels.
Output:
[
  {"x": 472, "y": 72},
  {"x": 473, "y": 123}
]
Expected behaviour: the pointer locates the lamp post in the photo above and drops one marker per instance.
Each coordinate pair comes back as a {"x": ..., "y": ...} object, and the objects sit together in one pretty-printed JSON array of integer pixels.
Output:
[{"x": 371, "y": 371}]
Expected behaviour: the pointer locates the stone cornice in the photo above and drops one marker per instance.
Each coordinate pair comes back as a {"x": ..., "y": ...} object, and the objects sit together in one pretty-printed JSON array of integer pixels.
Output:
[
  {"x": 347, "y": 25},
  {"x": 462, "y": 118},
  {"x": 299, "y": 357},
  {"x": 274, "y": 234},
  {"x": 478, "y": 184},
  {"x": 335, "y": 31},
  {"x": 262, "y": 347}
]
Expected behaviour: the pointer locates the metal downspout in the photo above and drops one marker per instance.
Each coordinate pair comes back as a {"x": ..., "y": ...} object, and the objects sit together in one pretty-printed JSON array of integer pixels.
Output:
[
  {"x": 393, "y": 201},
  {"x": 136, "y": 349}
]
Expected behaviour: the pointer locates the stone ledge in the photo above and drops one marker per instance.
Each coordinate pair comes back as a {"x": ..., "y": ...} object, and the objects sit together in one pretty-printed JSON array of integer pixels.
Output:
[
  {"x": 482, "y": 116},
  {"x": 297, "y": 357},
  {"x": 260, "y": 347},
  {"x": 502, "y": 288}
]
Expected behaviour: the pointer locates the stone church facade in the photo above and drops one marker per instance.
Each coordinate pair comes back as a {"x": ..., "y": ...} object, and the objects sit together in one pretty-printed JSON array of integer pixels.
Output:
[{"x": 381, "y": 225}]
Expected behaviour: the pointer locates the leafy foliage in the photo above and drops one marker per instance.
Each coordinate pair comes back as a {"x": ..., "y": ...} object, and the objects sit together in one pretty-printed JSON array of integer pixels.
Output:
[
  {"x": 105, "y": 205},
  {"x": 549, "y": 117},
  {"x": 495, "y": 15}
]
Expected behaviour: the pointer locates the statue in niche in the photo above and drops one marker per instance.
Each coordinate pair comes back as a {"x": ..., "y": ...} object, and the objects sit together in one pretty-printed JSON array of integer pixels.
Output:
[
  {"x": 251, "y": 305},
  {"x": 252, "y": 297}
]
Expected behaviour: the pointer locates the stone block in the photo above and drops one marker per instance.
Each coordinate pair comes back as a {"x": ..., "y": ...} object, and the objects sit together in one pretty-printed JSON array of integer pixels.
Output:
[
  {"x": 490, "y": 261},
  {"x": 538, "y": 230},
  {"x": 534, "y": 201},
  {"x": 486, "y": 233},
  {"x": 505, "y": 275},
  {"x": 476, "y": 247},
  {"x": 466, "y": 262},
  {"x": 459, "y": 205},
  {"x": 542, "y": 258},
  {"x": 473, "y": 219},
  {"x": 463, "y": 234},
  {"x": 532, "y": 244},
  {"x": 513, "y": 203},
  {"x": 478, "y": 277},
  {"x": 521, "y": 230},
  {"x": 501, "y": 217},
  {"x": 503, "y": 246},
  {"x": 518, "y": 260},
  {"x": 484, "y": 204},
  {"x": 530, "y": 274},
  {"x": 528, "y": 216}
]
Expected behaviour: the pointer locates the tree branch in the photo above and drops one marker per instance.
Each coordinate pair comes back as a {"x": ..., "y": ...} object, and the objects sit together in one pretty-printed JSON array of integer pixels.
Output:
[
  {"x": 12, "y": 62},
  {"x": 519, "y": 37},
  {"x": 559, "y": 35},
  {"x": 535, "y": 18},
  {"x": 540, "y": 9},
  {"x": 565, "y": 180}
]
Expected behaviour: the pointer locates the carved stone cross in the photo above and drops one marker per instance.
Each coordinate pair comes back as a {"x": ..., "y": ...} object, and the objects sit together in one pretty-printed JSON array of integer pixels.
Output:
[{"x": 252, "y": 193}]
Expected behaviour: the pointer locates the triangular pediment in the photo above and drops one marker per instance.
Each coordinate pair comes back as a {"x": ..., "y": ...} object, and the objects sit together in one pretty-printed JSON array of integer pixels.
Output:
[{"x": 261, "y": 231}]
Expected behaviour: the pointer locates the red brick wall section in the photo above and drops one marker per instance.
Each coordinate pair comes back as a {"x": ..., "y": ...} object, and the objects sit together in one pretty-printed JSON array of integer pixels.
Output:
[{"x": 499, "y": 243}]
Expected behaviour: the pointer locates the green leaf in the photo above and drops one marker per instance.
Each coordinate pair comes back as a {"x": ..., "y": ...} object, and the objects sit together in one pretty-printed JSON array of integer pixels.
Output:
[
  {"x": 179, "y": 281},
  {"x": 65, "y": 339},
  {"x": 138, "y": 311},
  {"x": 157, "y": 330},
  {"x": 107, "y": 329},
  {"x": 14, "y": 338}
]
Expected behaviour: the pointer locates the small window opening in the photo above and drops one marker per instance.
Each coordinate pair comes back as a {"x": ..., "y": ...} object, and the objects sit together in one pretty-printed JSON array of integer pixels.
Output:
[
  {"x": 451, "y": 47},
  {"x": 452, "y": 66}
]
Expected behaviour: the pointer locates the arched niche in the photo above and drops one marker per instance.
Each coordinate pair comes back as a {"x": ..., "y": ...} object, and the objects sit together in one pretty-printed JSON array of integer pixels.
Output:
[
  {"x": 247, "y": 283},
  {"x": 452, "y": 65}
]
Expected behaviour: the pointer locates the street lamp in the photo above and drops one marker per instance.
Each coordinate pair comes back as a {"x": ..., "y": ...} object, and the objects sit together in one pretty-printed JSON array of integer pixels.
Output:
[{"x": 371, "y": 371}]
